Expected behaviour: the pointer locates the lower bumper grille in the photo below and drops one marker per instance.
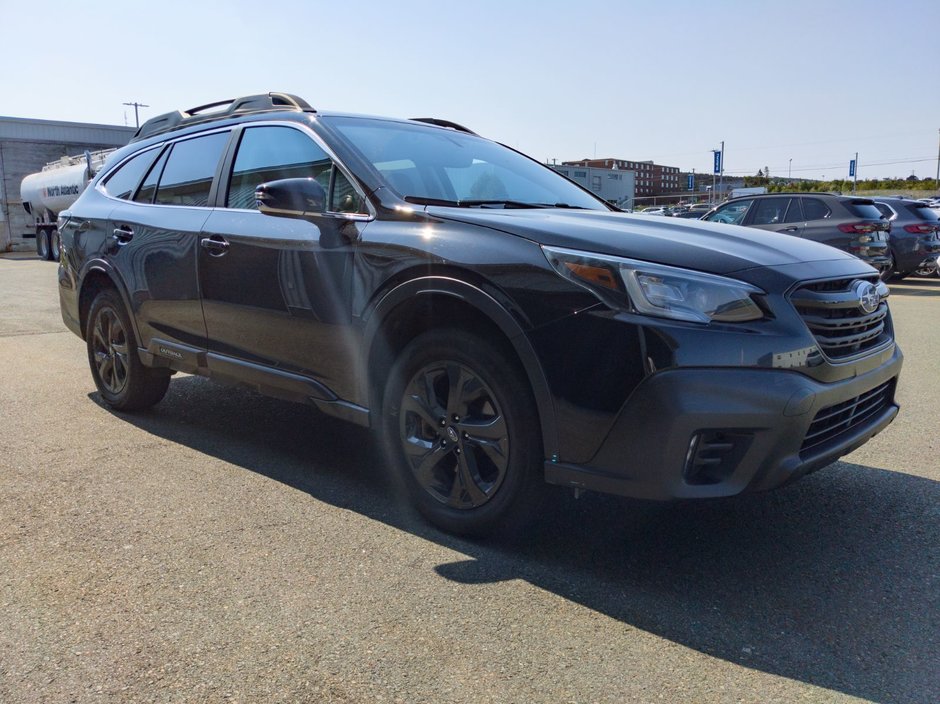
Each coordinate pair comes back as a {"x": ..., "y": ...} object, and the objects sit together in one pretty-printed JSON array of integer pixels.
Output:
[{"x": 832, "y": 422}]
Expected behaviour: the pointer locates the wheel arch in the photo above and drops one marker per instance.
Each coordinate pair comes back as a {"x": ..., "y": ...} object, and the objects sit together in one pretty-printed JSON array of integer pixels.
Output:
[
  {"x": 431, "y": 302},
  {"x": 96, "y": 277}
]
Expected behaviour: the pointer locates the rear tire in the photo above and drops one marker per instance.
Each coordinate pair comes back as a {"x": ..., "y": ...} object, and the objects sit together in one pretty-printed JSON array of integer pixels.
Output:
[
  {"x": 123, "y": 381},
  {"x": 55, "y": 246},
  {"x": 42, "y": 244},
  {"x": 461, "y": 430}
]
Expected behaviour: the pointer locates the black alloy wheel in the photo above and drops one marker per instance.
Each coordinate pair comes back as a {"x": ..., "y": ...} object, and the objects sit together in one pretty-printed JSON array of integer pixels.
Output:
[
  {"x": 461, "y": 429},
  {"x": 454, "y": 435},
  {"x": 122, "y": 379},
  {"x": 109, "y": 344}
]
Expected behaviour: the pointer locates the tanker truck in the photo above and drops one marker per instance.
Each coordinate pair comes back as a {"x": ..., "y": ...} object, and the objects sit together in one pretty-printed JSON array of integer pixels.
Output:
[{"x": 47, "y": 193}]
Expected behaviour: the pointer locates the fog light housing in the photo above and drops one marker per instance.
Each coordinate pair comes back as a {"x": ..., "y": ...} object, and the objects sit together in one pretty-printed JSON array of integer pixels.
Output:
[{"x": 714, "y": 455}]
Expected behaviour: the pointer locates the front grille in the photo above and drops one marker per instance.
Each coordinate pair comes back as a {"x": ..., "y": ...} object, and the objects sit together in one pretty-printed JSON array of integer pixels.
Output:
[
  {"x": 833, "y": 421},
  {"x": 832, "y": 311}
]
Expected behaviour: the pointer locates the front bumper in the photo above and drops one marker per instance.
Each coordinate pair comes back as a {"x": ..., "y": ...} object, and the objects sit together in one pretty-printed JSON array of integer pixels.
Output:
[{"x": 699, "y": 433}]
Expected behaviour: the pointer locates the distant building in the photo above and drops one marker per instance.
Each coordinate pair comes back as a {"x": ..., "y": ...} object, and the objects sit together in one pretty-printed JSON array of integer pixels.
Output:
[
  {"x": 651, "y": 179},
  {"x": 26, "y": 145},
  {"x": 707, "y": 187},
  {"x": 613, "y": 185}
]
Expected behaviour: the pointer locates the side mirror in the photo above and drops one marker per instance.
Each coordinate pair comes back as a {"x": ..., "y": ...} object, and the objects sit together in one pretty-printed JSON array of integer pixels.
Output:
[{"x": 291, "y": 198}]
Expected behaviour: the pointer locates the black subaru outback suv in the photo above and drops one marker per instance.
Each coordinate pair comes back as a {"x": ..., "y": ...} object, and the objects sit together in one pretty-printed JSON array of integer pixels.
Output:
[{"x": 499, "y": 326}]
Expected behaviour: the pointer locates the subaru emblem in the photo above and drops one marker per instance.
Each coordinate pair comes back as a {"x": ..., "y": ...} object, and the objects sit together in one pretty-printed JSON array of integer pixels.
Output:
[{"x": 868, "y": 297}]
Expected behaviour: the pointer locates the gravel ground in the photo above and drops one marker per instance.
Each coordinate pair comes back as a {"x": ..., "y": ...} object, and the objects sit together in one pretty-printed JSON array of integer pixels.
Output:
[{"x": 228, "y": 547}]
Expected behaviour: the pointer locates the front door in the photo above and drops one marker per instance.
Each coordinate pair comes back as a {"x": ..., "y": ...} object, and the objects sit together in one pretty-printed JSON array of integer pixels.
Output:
[{"x": 276, "y": 290}]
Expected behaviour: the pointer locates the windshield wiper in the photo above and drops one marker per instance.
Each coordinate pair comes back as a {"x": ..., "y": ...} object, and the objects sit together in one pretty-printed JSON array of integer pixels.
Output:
[
  {"x": 480, "y": 203},
  {"x": 419, "y": 200},
  {"x": 483, "y": 203}
]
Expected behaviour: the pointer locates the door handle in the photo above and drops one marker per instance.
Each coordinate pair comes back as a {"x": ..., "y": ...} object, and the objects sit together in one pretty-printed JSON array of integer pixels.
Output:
[
  {"x": 789, "y": 229},
  {"x": 123, "y": 234},
  {"x": 216, "y": 245}
]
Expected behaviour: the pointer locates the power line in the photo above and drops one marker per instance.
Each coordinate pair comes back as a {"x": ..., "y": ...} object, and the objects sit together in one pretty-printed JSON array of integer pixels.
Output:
[{"x": 822, "y": 167}]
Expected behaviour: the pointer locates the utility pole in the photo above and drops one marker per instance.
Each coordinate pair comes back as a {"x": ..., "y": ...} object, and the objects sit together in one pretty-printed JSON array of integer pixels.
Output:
[
  {"x": 855, "y": 175},
  {"x": 721, "y": 177},
  {"x": 136, "y": 117},
  {"x": 790, "y": 170},
  {"x": 938, "y": 165}
]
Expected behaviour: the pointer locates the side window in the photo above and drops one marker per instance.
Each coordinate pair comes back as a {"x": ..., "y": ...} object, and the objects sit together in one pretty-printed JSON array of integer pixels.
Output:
[
  {"x": 885, "y": 211},
  {"x": 815, "y": 209},
  {"x": 187, "y": 176},
  {"x": 149, "y": 186},
  {"x": 123, "y": 182},
  {"x": 770, "y": 211},
  {"x": 732, "y": 213},
  {"x": 272, "y": 153},
  {"x": 794, "y": 212},
  {"x": 345, "y": 198}
]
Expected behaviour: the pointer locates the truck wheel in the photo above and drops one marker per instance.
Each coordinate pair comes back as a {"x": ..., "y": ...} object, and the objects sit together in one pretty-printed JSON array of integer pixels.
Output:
[
  {"x": 461, "y": 431},
  {"x": 122, "y": 380},
  {"x": 42, "y": 244},
  {"x": 55, "y": 246}
]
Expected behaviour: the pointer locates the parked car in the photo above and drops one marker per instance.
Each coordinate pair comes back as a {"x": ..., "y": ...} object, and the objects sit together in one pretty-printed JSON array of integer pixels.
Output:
[
  {"x": 930, "y": 270},
  {"x": 914, "y": 241},
  {"x": 498, "y": 326},
  {"x": 688, "y": 214},
  {"x": 853, "y": 225}
]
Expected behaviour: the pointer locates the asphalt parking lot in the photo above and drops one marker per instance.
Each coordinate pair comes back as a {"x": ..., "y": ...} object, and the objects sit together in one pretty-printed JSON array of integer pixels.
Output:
[{"x": 224, "y": 546}]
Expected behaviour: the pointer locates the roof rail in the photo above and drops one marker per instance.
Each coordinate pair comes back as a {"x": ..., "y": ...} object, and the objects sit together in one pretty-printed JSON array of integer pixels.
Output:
[
  {"x": 444, "y": 123},
  {"x": 264, "y": 102}
]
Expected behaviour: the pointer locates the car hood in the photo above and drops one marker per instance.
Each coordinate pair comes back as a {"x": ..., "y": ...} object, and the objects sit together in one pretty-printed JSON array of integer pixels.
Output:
[{"x": 704, "y": 246}]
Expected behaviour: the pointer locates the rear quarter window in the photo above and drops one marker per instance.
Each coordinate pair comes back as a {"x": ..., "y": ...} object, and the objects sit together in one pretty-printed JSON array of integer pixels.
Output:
[
  {"x": 863, "y": 209},
  {"x": 123, "y": 181},
  {"x": 815, "y": 209},
  {"x": 923, "y": 212}
]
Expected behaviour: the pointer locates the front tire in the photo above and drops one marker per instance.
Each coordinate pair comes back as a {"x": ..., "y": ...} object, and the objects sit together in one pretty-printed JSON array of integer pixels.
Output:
[
  {"x": 461, "y": 430},
  {"x": 123, "y": 381}
]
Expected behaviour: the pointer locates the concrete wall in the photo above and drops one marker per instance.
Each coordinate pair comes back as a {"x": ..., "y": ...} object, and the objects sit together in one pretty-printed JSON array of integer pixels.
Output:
[{"x": 25, "y": 147}]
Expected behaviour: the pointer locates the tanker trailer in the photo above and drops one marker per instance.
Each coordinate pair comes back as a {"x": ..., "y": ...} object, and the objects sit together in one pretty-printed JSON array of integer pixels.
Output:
[{"x": 47, "y": 193}]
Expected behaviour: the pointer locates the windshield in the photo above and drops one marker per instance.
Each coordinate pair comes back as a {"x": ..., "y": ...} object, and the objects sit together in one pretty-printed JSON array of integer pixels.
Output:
[{"x": 433, "y": 165}]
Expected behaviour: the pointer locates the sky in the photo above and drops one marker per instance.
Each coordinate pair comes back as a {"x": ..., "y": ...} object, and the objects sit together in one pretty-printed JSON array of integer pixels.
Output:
[{"x": 797, "y": 86}]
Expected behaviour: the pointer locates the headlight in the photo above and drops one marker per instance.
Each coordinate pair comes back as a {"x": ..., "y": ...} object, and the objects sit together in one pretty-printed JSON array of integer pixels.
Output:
[{"x": 654, "y": 289}]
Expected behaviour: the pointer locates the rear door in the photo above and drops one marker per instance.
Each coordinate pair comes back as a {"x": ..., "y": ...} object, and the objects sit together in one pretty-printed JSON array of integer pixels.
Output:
[
  {"x": 155, "y": 235},
  {"x": 777, "y": 214},
  {"x": 819, "y": 225}
]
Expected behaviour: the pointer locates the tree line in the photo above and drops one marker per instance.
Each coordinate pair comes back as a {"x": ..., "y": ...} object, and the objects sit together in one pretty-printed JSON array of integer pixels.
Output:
[{"x": 777, "y": 185}]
